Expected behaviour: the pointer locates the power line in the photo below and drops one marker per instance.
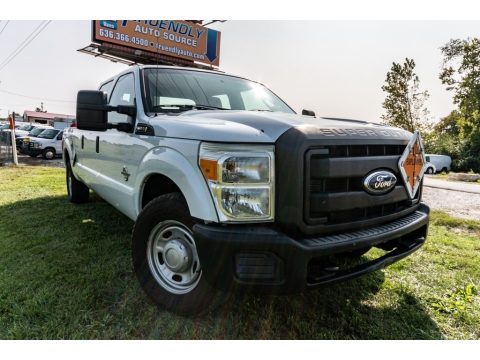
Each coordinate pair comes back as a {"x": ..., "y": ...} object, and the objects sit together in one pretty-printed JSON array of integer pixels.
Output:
[
  {"x": 4, "y": 26},
  {"x": 36, "y": 98},
  {"x": 25, "y": 43}
]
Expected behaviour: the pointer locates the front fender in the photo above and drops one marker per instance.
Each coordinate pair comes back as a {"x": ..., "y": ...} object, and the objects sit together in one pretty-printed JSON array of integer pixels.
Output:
[
  {"x": 187, "y": 176},
  {"x": 67, "y": 149}
]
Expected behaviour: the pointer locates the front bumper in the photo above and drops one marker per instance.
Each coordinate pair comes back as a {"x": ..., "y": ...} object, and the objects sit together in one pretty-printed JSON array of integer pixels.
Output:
[
  {"x": 264, "y": 259},
  {"x": 32, "y": 151}
]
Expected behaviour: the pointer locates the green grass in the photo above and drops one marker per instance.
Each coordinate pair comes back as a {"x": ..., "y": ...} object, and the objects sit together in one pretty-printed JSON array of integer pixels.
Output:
[{"x": 65, "y": 272}]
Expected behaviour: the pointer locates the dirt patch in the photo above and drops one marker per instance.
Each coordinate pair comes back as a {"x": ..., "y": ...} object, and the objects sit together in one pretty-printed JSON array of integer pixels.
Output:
[{"x": 39, "y": 161}]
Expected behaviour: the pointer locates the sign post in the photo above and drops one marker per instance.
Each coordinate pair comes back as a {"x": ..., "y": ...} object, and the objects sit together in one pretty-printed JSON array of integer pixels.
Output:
[{"x": 12, "y": 134}]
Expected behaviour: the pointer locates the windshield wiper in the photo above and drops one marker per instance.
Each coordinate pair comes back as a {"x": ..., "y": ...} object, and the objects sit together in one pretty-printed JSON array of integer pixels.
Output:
[{"x": 185, "y": 107}]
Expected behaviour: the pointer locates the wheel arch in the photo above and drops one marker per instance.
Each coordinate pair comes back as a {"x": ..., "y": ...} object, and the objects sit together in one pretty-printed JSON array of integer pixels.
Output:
[{"x": 165, "y": 170}]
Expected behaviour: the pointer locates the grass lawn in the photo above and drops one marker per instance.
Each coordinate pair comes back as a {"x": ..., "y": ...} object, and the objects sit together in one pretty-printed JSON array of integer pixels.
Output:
[{"x": 65, "y": 272}]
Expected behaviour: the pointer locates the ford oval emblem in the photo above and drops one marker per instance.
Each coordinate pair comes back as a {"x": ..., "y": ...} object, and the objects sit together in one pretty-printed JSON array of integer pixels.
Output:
[{"x": 379, "y": 182}]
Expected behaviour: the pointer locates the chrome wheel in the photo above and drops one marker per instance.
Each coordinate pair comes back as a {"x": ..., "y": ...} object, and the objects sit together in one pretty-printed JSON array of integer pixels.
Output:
[
  {"x": 172, "y": 257},
  {"x": 49, "y": 154}
]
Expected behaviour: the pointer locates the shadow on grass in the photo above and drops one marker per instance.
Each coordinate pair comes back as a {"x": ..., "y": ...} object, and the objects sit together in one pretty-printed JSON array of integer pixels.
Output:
[{"x": 66, "y": 273}]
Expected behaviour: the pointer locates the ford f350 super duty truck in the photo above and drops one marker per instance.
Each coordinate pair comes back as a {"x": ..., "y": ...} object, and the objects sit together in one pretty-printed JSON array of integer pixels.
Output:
[{"x": 230, "y": 189}]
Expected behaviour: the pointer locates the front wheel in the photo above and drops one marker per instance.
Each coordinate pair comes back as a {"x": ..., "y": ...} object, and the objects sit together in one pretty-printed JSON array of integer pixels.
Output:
[
  {"x": 430, "y": 170},
  {"x": 165, "y": 257},
  {"x": 48, "y": 154}
]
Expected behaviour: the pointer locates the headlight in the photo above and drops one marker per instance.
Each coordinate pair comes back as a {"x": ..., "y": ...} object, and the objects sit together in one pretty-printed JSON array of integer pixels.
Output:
[
  {"x": 36, "y": 145},
  {"x": 241, "y": 180}
]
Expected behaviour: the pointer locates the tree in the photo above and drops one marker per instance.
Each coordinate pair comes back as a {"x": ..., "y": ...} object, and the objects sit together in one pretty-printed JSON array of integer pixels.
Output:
[
  {"x": 461, "y": 73},
  {"x": 404, "y": 104},
  {"x": 446, "y": 137}
]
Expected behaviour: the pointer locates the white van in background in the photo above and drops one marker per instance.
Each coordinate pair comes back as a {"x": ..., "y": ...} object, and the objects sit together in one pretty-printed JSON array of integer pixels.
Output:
[{"x": 438, "y": 163}]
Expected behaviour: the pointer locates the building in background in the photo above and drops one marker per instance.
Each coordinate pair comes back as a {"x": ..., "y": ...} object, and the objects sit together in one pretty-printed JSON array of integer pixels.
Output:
[{"x": 52, "y": 119}]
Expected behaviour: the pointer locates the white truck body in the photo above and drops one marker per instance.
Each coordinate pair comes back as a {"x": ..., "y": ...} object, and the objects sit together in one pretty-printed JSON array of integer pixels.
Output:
[{"x": 152, "y": 159}]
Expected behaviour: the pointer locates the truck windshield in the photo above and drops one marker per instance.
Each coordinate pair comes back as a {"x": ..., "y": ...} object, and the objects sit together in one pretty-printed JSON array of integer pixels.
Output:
[
  {"x": 48, "y": 134},
  {"x": 176, "y": 90},
  {"x": 26, "y": 127},
  {"x": 36, "y": 131}
]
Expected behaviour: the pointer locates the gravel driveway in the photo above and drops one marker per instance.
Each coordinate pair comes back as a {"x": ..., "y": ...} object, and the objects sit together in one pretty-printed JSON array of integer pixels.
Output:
[{"x": 456, "y": 203}]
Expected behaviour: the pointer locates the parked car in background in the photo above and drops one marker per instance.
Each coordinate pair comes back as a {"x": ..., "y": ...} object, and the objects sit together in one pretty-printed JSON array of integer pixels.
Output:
[
  {"x": 438, "y": 163},
  {"x": 23, "y": 141},
  {"x": 48, "y": 143},
  {"x": 5, "y": 126},
  {"x": 24, "y": 130}
]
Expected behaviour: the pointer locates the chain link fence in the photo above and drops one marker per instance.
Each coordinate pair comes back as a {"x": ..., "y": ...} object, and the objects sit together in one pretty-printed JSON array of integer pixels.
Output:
[{"x": 6, "y": 148}]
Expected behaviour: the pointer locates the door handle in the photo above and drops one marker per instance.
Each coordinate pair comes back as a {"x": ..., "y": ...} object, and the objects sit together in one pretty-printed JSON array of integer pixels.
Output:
[{"x": 97, "y": 144}]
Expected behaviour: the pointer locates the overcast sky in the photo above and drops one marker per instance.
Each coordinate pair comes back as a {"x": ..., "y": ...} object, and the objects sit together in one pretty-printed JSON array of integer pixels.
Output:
[{"x": 335, "y": 68}]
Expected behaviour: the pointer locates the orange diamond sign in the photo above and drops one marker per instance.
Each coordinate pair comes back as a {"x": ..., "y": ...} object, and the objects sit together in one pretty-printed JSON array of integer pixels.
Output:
[{"x": 412, "y": 164}]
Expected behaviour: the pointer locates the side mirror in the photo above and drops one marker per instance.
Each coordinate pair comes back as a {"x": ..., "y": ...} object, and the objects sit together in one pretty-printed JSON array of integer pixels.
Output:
[
  {"x": 308, "y": 112},
  {"x": 92, "y": 110}
]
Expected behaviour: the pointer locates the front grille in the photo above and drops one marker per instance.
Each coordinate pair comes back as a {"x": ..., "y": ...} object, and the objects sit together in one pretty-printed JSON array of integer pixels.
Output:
[
  {"x": 319, "y": 174},
  {"x": 334, "y": 194},
  {"x": 364, "y": 150}
]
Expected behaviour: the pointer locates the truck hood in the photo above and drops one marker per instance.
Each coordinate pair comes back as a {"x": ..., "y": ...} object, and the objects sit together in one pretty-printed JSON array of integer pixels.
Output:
[{"x": 261, "y": 127}]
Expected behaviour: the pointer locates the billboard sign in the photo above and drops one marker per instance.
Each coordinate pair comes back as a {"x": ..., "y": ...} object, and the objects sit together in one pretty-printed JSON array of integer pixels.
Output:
[{"x": 176, "y": 38}]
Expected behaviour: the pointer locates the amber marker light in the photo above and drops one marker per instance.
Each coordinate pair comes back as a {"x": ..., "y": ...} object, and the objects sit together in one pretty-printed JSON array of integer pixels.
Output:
[{"x": 209, "y": 169}]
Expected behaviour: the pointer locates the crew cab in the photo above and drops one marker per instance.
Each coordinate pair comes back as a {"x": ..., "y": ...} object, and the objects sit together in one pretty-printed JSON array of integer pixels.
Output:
[{"x": 229, "y": 188}]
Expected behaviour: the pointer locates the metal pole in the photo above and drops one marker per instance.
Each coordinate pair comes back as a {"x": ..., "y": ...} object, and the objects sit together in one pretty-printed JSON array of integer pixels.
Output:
[{"x": 14, "y": 144}]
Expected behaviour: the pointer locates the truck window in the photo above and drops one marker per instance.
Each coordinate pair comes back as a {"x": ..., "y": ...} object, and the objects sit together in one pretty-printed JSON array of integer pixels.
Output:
[
  {"x": 107, "y": 88},
  {"x": 123, "y": 94},
  {"x": 208, "y": 89},
  {"x": 256, "y": 99},
  {"x": 223, "y": 101}
]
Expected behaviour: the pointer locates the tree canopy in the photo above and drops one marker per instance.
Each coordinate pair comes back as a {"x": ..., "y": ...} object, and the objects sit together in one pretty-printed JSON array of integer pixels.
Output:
[{"x": 404, "y": 103}]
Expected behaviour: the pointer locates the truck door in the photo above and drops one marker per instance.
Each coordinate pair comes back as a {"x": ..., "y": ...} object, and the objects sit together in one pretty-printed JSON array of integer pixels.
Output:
[
  {"x": 85, "y": 147},
  {"x": 117, "y": 156}
]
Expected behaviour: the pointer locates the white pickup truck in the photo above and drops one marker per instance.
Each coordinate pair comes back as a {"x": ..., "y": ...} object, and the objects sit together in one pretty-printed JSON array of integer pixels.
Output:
[{"x": 230, "y": 189}]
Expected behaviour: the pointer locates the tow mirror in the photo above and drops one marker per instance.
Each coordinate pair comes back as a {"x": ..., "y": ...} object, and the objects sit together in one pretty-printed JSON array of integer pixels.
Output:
[
  {"x": 308, "y": 112},
  {"x": 92, "y": 110}
]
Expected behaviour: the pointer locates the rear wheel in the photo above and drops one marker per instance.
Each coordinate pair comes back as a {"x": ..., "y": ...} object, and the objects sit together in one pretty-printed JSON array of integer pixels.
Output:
[
  {"x": 165, "y": 257},
  {"x": 77, "y": 191},
  {"x": 48, "y": 153}
]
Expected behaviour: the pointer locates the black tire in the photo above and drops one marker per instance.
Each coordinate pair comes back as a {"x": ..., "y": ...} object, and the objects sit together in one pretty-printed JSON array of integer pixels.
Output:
[
  {"x": 77, "y": 191},
  {"x": 430, "y": 171},
  {"x": 49, "y": 154},
  {"x": 445, "y": 170},
  {"x": 165, "y": 212}
]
